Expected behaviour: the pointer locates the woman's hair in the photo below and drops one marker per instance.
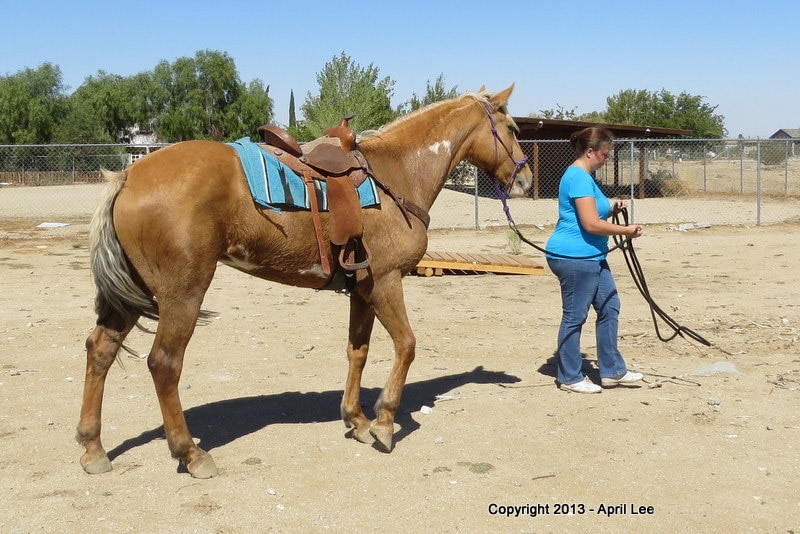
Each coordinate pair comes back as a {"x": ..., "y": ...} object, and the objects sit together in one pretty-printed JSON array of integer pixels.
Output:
[{"x": 593, "y": 137}]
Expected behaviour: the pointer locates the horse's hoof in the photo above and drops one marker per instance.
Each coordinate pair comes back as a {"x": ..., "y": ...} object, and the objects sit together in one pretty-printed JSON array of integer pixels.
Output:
[
  {"x": 202, "y": 467},
  {"x": 384, "y": 438},
  {"x": 95, "y": 466},
  {"x": 363, "y": 436}
]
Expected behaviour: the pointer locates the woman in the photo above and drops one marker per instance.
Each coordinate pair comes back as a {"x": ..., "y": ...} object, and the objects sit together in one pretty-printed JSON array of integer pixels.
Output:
[{"x": 576, "y": 255}]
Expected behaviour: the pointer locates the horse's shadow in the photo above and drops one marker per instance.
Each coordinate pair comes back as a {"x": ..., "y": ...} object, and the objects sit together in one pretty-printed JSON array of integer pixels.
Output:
[{"x": 219, "y": 423}]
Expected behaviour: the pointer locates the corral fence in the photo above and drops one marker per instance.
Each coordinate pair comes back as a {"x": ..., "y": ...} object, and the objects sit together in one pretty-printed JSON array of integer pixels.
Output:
[{"x": 666, "y": 181}]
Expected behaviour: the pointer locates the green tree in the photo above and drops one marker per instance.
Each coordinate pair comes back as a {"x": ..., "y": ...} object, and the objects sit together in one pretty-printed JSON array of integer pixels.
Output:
[
  {"x": 346, "y": 88},
  {"x": 251, "y": 109},
  {"x": 106, "y": 108},
  {"x": 292, "y": 113},
  {"x": 664, "y": 110},
  {"x": 203, "y": 98},
  {"x": 433, "y": 93},
  {"x": 560, "y": 113},
  {"x": 32, "y": 102}
]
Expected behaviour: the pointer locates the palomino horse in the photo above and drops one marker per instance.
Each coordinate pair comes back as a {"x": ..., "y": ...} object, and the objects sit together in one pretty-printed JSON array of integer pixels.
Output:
[{"x": 170, "y": 217}]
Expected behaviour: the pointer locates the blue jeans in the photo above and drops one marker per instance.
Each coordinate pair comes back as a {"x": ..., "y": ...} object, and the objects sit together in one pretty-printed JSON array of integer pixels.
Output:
[{"x": 586, "y": 283}]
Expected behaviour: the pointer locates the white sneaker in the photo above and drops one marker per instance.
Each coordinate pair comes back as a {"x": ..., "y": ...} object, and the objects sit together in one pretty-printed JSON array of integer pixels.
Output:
[
  {"x": 629, "y": 379},
  {"x": 584, "y": 386}
]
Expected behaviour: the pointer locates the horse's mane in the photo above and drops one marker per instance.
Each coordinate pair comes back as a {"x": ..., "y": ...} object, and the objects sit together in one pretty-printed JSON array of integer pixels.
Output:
[{"x": 442, "y": 105}]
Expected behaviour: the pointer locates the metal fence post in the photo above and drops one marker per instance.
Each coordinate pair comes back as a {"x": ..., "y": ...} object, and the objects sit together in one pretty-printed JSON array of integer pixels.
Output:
[
  {"x": 758, "y": 182},
  {"x": 633, "y": 194},
  {"x": 476, "y": 195},
  {"x": 786, "y": 169}
]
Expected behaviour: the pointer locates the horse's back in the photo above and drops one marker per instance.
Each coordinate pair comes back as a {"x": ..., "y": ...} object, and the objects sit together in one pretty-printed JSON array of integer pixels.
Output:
[{"x": 190, "y": 170}]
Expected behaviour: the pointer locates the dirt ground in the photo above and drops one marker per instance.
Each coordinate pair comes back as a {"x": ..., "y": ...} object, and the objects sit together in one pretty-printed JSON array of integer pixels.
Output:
[{"x": 485, "y": 441}]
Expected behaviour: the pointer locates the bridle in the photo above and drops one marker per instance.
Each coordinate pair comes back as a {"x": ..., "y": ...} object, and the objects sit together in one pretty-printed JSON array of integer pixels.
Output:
[
  {"x": 625, "y": 244},
  {"x": 498, "y": 142}
]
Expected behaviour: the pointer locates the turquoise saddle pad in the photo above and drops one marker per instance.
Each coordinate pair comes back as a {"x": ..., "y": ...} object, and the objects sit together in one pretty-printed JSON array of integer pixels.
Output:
[{"x": 274, "y": 185}]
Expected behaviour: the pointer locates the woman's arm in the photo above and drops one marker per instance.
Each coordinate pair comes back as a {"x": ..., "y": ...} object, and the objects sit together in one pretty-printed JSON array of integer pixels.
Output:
[{"x": 591, "y": 222}]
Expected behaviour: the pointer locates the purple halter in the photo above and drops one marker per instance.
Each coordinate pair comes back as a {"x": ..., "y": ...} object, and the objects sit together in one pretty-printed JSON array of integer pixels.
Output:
[{"x": 517, "y": 164}]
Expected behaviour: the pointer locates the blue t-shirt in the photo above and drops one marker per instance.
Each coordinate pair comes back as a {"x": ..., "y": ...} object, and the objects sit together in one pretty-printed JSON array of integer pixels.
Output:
[{"x": 569, "y": 238}]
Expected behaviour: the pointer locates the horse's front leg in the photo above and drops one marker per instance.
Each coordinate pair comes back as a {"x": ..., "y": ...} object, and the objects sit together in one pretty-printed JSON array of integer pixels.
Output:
[
  {"x": 102, "y": 346},
  {"x": 362, "y": 319},
  {"x": 390, "y": 309}
]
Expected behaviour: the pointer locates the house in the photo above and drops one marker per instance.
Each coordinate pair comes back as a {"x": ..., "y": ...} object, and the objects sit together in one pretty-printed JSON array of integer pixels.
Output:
[
  {"x": 142, "y": 143},
  {"x": 789, "y": 133}
]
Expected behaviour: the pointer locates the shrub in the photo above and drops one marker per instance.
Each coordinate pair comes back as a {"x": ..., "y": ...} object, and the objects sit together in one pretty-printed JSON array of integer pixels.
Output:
[
  {"x": 773, "y": 153},
  {"x": 663, "y": 184}
]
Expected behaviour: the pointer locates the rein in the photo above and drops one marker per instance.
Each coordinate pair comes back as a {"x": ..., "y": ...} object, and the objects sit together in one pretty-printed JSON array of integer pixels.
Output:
[{"x": 625, "y": 244}]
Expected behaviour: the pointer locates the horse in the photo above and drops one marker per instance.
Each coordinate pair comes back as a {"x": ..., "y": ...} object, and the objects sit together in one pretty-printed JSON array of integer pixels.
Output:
[{"x": 167, "y": 220}]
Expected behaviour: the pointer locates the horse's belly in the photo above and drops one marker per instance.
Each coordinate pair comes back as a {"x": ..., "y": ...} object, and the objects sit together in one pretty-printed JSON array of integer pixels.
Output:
[{"x": 286, "y": 271}]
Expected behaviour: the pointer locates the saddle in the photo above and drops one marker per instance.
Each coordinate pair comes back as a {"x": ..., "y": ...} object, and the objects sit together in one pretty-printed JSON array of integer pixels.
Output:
[{"x": 335, "y": 159}]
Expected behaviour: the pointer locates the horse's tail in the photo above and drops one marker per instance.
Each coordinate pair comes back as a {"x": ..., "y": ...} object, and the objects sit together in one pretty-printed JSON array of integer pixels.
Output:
[{"x": 117, "y": 292}]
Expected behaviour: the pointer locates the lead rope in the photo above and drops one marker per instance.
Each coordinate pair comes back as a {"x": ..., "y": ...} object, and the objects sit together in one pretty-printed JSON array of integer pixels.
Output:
[{"x": 634, "y": 267}]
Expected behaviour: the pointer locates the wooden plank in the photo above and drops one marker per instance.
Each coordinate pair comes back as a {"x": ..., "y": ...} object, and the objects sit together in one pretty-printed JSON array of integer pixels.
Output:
[{"x": 436, "y": 263}]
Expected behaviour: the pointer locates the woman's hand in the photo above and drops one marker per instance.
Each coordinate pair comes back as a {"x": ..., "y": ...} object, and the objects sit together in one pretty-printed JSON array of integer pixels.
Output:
[{"x": 634, "y": 230}]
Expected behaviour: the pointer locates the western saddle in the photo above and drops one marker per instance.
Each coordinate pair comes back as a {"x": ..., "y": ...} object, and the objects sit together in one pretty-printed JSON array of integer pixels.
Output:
[{"x": 335, "y": 159}]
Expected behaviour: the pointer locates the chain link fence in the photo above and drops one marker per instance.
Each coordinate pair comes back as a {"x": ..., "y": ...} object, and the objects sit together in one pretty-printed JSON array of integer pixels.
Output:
[{"x": 666, "y": 181}]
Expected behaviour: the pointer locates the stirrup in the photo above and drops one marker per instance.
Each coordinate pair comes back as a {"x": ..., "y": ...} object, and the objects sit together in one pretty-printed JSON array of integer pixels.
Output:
[{"x": 346, "y": 252}]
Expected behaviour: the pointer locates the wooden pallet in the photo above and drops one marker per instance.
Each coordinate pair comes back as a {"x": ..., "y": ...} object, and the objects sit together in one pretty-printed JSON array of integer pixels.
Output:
[{"x": 439, "y": 263}]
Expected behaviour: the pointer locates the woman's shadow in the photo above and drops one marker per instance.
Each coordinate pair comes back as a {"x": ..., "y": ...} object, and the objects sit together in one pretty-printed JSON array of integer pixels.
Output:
[{"x": 219, "y": 423}]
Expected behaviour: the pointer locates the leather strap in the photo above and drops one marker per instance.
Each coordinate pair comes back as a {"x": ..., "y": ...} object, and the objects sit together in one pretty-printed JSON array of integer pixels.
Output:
[{"x": 312, "y": 196}]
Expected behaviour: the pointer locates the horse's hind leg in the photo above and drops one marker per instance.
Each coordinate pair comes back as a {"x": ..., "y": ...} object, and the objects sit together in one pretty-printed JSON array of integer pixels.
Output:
[
  {"x": 102, "y": 347},
  {"x": 175, "y": 328},
  {"x": 362, "y": 319}
]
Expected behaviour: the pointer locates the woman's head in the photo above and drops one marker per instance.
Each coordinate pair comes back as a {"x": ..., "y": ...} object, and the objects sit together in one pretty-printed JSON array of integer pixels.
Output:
[
  {"x": 594, "y": 137},
  {"x": 593, "y": 143}
]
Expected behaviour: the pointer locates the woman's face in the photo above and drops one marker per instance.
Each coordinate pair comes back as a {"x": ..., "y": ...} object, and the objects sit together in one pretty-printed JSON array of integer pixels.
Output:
[{"x": 598, "y": 157}]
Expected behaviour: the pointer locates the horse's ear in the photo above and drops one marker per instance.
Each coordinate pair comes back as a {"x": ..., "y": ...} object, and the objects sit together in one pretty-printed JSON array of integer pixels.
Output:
[
  {"x": 499, "y": 100},
  {"x": 482, "y": 89}
]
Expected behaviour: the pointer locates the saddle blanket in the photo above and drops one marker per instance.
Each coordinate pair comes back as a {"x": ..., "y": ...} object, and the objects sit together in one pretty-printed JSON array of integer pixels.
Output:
[{"x": 274, "y": 185}]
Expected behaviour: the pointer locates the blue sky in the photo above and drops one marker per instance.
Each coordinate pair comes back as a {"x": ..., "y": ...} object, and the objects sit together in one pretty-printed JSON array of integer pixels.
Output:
[{"x": 741, "y": 56}]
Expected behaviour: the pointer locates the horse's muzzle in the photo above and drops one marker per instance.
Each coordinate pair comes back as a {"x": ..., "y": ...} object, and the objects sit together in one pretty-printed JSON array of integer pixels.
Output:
[{"x": 521, "y": 182}]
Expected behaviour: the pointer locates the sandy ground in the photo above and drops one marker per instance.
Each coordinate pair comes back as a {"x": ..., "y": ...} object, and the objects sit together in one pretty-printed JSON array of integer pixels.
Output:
[{"x": 485, "y": 441}]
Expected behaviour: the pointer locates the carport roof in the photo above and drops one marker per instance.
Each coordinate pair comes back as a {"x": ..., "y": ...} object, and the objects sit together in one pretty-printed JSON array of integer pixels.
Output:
[{"x": 535, "y": 128}]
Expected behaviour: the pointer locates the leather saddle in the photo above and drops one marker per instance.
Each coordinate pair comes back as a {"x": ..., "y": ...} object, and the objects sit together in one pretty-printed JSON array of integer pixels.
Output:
[{"x": 335, "y": 159}]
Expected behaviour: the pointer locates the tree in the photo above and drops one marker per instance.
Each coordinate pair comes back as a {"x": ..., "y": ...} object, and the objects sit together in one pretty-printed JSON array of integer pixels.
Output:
[
  {"x": 32, "y": 102},
  {"x": 292, "y": 115},
  {"x": 104, "y": 109},
  {"x": 252, "y": 109},
  {"x": 563, "y": 114},
  {"x": 433, "y": 93},
  {"x": 346, "y": 88},
  {"x": 560, "y": 113},
  {"x": 664, "y": 110},
  {"x": 203, "y": 98}
]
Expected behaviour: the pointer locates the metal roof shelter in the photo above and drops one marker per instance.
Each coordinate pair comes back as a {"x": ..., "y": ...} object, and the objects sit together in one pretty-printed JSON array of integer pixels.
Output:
[
  {"x": 534, "y": 128},
  {"x": 553, "y": 165}
]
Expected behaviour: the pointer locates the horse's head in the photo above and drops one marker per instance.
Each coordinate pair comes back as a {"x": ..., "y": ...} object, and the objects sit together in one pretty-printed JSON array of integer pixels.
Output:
[{"x": 497, "y": 151}]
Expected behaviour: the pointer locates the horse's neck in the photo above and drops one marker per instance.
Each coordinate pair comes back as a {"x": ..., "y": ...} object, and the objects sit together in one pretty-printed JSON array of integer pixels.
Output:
[{"x": 415, "y": 160}]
